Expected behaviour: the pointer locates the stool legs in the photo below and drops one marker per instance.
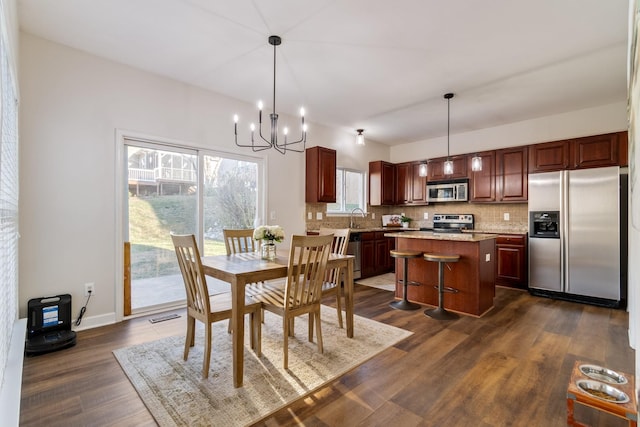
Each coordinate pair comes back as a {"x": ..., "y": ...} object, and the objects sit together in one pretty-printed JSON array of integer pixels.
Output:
[
  {"x": 404, "y": 303},
  {"x": 440, "y": 313}
]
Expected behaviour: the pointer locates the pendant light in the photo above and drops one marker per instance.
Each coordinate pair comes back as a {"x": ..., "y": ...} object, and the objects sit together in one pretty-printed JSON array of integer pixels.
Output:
[
  {"x": 448, "y": 165},
  {"x": 359, "y": 137},
  {"x": 476, "y": 163},
  {"x": 422, "y": 169},
  {"x": 272, "y": 141}
]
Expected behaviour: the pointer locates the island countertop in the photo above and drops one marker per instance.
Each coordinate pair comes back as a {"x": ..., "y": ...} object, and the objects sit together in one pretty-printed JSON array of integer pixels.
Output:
[{"x": 430, "y": 235}]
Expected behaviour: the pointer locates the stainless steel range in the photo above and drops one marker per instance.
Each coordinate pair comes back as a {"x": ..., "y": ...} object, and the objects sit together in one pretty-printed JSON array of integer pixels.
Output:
[{"x": 452, "y": 223}]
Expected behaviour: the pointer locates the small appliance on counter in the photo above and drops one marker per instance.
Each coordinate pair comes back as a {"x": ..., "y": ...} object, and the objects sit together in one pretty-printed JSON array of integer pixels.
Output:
[
  {"x": 452, "y": 223},
  {"x": 391, "y": 220}
]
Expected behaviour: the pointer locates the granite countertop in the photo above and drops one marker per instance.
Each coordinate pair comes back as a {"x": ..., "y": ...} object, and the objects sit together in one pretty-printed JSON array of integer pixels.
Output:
[
  {"x": 430, "y": 235},
  {"x": 369, "y": 229}
]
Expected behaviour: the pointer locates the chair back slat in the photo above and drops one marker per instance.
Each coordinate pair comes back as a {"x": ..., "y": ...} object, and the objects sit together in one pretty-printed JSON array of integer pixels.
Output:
[
  {"x": 308, "y": 258},
  {"x": 339, "y": 246},
  {"x": 192, "y": 273},
  {"x": 239, "y": 240}
]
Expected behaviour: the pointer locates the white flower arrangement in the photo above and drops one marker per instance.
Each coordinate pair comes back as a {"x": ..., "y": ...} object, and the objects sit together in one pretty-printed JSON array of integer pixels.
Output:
[{"x": 269, "y": 232}]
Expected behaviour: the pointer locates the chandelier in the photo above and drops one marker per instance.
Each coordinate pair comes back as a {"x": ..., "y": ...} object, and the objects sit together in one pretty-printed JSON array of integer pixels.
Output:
[{"x": 263, "y": 143}]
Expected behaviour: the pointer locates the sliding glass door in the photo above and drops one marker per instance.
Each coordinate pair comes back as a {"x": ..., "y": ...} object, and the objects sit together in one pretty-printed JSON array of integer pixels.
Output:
[{"x": 183, "y": 191}]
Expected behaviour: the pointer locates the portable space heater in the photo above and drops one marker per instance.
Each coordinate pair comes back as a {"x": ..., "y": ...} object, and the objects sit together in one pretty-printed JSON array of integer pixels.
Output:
[{"x": 49, "y": 325}]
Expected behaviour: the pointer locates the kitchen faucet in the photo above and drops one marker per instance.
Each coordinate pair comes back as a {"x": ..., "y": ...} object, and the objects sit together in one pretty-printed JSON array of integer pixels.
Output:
[{"x": 351, "y": 222}]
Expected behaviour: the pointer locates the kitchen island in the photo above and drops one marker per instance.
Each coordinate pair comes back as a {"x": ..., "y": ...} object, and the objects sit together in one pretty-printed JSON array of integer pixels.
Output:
[{"x": 473, "y": 275}]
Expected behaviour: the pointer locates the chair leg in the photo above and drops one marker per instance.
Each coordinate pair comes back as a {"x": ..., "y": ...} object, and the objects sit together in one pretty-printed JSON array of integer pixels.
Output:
[
  {"x": 339, "y": 305},
  {"x": 256, "y": 332},
  {"x": 207, "y": 350},
  {"x": 285, "y": 359},
  {"x": 189, "y": 340},
  {"x": 319, "y": 330},
  {"x": 311, "y": 327}
]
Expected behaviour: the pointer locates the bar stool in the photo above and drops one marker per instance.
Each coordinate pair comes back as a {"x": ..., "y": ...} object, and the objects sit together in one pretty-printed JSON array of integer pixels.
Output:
[
  {"x": 440, "y": 313},
  {"x": 405, "y": 254}
]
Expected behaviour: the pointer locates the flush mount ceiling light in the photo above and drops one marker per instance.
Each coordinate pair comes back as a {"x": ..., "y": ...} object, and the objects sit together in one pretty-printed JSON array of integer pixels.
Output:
[
  {"x": 359, "y": 137},
  {"x": 264, "y": 143},
  {"x": 448, "y": 165}
]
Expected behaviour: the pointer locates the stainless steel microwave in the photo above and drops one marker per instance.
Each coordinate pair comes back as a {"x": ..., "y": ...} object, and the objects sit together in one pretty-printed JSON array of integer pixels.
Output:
[{"x": 448, "y": 192}]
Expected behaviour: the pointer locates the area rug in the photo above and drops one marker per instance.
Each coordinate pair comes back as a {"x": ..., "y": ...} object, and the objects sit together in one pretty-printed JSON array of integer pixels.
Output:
[
  {"x": 176, "y": 394},
  {"x": 384, "y": 281}
]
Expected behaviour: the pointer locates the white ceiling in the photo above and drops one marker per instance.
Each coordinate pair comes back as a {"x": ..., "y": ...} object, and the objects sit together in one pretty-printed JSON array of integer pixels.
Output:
[{"x": 374, "y": 64}]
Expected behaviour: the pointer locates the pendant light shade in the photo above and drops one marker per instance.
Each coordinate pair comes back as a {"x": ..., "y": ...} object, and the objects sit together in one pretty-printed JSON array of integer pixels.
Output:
[
  {"x": 448, "y": 165},
  {"x": 422, "y": 169},
  {"x": 476, "y": 163},
  {"x": 359, "y": 137}
]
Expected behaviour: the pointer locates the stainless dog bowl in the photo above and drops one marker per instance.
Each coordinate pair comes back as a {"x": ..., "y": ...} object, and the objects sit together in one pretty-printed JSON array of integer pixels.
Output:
[
  {"x": 602, "y": 374},
  {"x": 602, "y": 391}
]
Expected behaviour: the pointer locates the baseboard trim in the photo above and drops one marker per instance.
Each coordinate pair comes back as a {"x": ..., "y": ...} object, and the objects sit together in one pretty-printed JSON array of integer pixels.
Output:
[
  {"x": 95, "y": 321},
  {"x": 12, "y": 384}
]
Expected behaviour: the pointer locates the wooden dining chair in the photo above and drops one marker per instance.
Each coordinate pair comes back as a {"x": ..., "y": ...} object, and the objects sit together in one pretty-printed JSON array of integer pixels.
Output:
[
  {"x": 302, "y": 288},
  {"x": 205, "y": 308},
  {"x": 332, "y": 284},
  {"x": 239, "y": 240}
]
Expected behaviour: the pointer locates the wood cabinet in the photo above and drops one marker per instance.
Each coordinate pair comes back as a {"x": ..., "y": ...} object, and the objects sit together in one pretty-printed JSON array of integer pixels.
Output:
[
  {"x": 511, "y": 257},
  {"x": 436, "y": 168},
  {"x": 410, "y": 186},
  {"x": 382, "y": 183},
  {"x": 580, "y": 153},
  {"x": 595, "y": 151},
  {"x": 320, "y": 175},
  {"x": 374, "y": 252},
  {"x": 549, "y": 156},
  {"x": 482, "y": 184},
  {"x": 512, "y": 172}
]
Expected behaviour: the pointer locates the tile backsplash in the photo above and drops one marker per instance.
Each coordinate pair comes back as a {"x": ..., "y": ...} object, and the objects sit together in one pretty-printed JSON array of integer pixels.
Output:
[{"x": 491, "y": 217}]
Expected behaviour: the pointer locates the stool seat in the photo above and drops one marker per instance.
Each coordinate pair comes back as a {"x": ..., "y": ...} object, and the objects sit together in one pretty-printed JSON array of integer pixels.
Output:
[
  {"x": 440, "y": 313},
  {"x": 405, "y": 253},
  {"x": 441, "y": 258}
]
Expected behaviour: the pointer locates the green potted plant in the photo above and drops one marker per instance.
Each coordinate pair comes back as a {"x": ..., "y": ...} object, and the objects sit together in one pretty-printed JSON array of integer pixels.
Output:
[{"x": 405, "y": 221}]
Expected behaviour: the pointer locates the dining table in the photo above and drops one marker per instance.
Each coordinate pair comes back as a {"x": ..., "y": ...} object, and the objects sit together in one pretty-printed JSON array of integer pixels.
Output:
[{"x": 242, "y": 268}]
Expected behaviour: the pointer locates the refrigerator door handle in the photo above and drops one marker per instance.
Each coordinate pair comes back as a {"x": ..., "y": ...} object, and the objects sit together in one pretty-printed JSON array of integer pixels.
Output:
[{"x": 564, "y": 229}]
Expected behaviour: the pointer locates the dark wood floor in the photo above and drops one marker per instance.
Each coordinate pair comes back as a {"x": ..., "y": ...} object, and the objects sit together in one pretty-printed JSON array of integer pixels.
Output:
[{"x": 508, "y": 368}]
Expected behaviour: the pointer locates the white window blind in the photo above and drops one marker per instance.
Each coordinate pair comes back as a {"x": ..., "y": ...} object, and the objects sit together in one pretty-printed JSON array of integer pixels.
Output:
[{"x": 8, "y": 206}]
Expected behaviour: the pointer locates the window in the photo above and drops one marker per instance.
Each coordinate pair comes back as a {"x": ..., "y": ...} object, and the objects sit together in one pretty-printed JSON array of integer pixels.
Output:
[{"x": 350, "y": 191}]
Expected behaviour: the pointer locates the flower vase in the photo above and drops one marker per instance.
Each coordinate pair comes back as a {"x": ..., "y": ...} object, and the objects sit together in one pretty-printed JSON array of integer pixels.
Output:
[{"x": 268, "y": 249}]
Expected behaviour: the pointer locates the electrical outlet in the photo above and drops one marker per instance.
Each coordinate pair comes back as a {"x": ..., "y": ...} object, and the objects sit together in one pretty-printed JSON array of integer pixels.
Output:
[
  {"x": 272, "y": 216},
  {"x": 373, "y": 215},
  {"x": 318, "y": 215},
  {"x": 506, "y": 216},
  {"x": 88, "y": 288},
  {"x": 426, "y": 215},
  {"x": 487, "y": 257},
  {"x": 309, "y": 215}
]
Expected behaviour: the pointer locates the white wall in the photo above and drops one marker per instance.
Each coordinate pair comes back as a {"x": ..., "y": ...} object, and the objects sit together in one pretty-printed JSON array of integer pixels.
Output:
[{"x": 72, "y": 105}]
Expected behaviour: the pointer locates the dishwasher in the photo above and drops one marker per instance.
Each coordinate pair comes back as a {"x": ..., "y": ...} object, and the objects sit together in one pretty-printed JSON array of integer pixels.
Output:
[{"x": 353, "y": 248}]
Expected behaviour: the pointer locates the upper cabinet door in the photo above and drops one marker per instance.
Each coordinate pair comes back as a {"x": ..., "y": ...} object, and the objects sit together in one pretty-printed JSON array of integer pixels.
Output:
[
  {"x": 482, "y": 184},
  {"x": 512, "y": 174},
  {"x": 320, "y": 175},
  {"x": 382, "y": 183},
  {"x": 403, "y": 183},
  {"x": 419, "y": 185},
  {"x": 550, "y": 156},
  {"x": 595, "y": 151}
]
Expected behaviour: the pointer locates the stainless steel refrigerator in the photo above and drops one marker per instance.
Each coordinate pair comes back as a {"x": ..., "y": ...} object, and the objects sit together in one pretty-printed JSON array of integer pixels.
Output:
[{"x": 577, "y": 235}]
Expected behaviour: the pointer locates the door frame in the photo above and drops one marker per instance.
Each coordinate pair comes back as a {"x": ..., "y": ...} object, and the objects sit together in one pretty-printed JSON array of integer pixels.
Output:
[{"x": 121, "y": 189}]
